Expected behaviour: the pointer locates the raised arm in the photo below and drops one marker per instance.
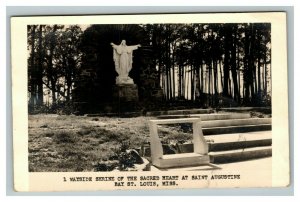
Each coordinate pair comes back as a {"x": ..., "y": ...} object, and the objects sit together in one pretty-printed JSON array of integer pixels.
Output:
[
  {"x": 113, "y": 45},
  {"x": 134, "y": 47}
]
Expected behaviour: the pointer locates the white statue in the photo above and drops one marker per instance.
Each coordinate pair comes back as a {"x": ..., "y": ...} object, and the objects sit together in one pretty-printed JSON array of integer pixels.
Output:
[{"x": 123, "y": 61}]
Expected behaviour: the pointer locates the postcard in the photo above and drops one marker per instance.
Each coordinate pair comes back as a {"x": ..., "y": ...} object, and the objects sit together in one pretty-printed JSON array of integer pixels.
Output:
[{"x": 153, "y": 101}]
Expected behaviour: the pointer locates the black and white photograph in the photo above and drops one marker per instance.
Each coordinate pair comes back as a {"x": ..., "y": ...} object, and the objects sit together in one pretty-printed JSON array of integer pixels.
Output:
[{"x": 168, "y": 103}]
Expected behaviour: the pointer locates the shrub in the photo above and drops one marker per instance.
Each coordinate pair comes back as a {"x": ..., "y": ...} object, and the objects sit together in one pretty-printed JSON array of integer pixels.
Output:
[
  {"x": 106, "y": 166},
  {"x": 49, "y": 134},
  {"x": 65, "y": 137}
]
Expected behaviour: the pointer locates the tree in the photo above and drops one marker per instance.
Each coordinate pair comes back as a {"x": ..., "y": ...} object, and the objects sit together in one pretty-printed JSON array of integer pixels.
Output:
[
  {"x": 204, "y": 63},
  {"x": 68, "y": 58},
  {"x": 53, "y": 62},
  {"x": 212, "y": 59},
  {"x": 31, "y": 35},
  {"x": 35, "y": 65}
]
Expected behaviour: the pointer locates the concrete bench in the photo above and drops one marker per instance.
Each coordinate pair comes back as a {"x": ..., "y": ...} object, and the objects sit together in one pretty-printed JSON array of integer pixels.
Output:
[{"x": 198, "y": 157}]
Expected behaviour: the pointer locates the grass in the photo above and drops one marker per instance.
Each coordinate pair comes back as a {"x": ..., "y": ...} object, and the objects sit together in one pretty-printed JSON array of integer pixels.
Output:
[
  {"x": 76, "y": 143},
  {"x": 61, "y": 143}
]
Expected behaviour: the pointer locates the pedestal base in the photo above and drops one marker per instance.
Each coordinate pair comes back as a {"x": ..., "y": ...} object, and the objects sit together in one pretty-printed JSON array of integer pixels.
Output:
[
  {"x": 125, "y": 93},
  {"x": 126, "y": 97},
  {"x": 124, "y": 80}
]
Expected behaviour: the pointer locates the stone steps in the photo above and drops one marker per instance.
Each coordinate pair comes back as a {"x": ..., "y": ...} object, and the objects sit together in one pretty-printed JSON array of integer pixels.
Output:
[
  {"x": 226, "y": 148},
  {"x": 208, "y": 111},
  {"x": 260, "y": 163},
  {"x": 247, "y": 109},
  {"x": 209, "y": 117},
  {"x": 240, "y": 154},
  {"x": 236, "y": 129},
  {"x": 235, "y": 122},
  {"x": 233, "y": 141},
  {"x": 229, "y": 123},
  {"x": 239, "y": 140},
  {"x": 236, "y": 147},
  {"x": 180, "y": 112},
  {"x": 232, "y": 136}
]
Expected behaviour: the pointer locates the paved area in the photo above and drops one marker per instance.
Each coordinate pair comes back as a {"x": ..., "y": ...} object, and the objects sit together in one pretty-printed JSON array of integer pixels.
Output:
[{"x": 257, "y": 164}]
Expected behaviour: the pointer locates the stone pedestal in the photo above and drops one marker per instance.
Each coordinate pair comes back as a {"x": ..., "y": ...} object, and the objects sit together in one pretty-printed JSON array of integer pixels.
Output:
[
  {"x": 125, "y": 97},
  {"x": 124, "y": 80},
  {"x": 125, "y": 93}
]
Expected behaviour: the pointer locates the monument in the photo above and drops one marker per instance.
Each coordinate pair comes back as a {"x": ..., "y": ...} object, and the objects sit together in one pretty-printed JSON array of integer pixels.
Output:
[
  {"x": 122, "y": 55},
  {"x": 125, "y": 92}
]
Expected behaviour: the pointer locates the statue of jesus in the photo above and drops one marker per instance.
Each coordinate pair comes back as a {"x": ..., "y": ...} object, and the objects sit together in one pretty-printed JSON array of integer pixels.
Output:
[{"x": 122, "y": 55}]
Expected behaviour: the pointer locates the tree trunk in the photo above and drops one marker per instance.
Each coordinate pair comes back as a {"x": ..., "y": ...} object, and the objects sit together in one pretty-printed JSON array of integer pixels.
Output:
[
  {"x": 259, "y": 76},
  {"x": 234, "y": 69},
  {"x": 198, "y": 82},
  {"x": 226, "y": 64},
  {"x": 51, "y": 74},
  {"x": 221, "y": 79},
  {"x": 32, "y": 75},
  {"x": 184, "y": 81},
  {"x": 266, "y": 73},
  {"x": 179, "y": 81},
  {"x": 202, "y": 80},
  {"x": 173, "y": 71},
  {"x": 215, "y": 77},
  {"x": 209, "y": 79},
  {"x": 163, "y": 84},
  {"x": 254, "y": 78},
  {"x": 238, "y": 74},
  {"x": 40, "y": 92},
  {"x": 167, "y": 84},
  {"x": 192, "y": 83},
  {"x": 187, "y": 84},
  {"x": 251, "y": 60},
  {"x": 168, "y": 66},
  {"x": 246, "y": 76}
]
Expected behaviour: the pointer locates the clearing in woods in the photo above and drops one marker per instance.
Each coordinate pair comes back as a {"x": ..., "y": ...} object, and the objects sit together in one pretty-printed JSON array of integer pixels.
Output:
[{"x": 61, "y": 143}]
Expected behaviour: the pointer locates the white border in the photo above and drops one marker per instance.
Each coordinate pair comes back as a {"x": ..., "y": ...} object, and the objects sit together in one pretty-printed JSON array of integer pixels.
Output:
[{"x": 280, "y": 170}]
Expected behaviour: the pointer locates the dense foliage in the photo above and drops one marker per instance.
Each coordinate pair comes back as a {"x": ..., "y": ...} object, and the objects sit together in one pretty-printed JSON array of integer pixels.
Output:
[{"x": 209, "y": 64}]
